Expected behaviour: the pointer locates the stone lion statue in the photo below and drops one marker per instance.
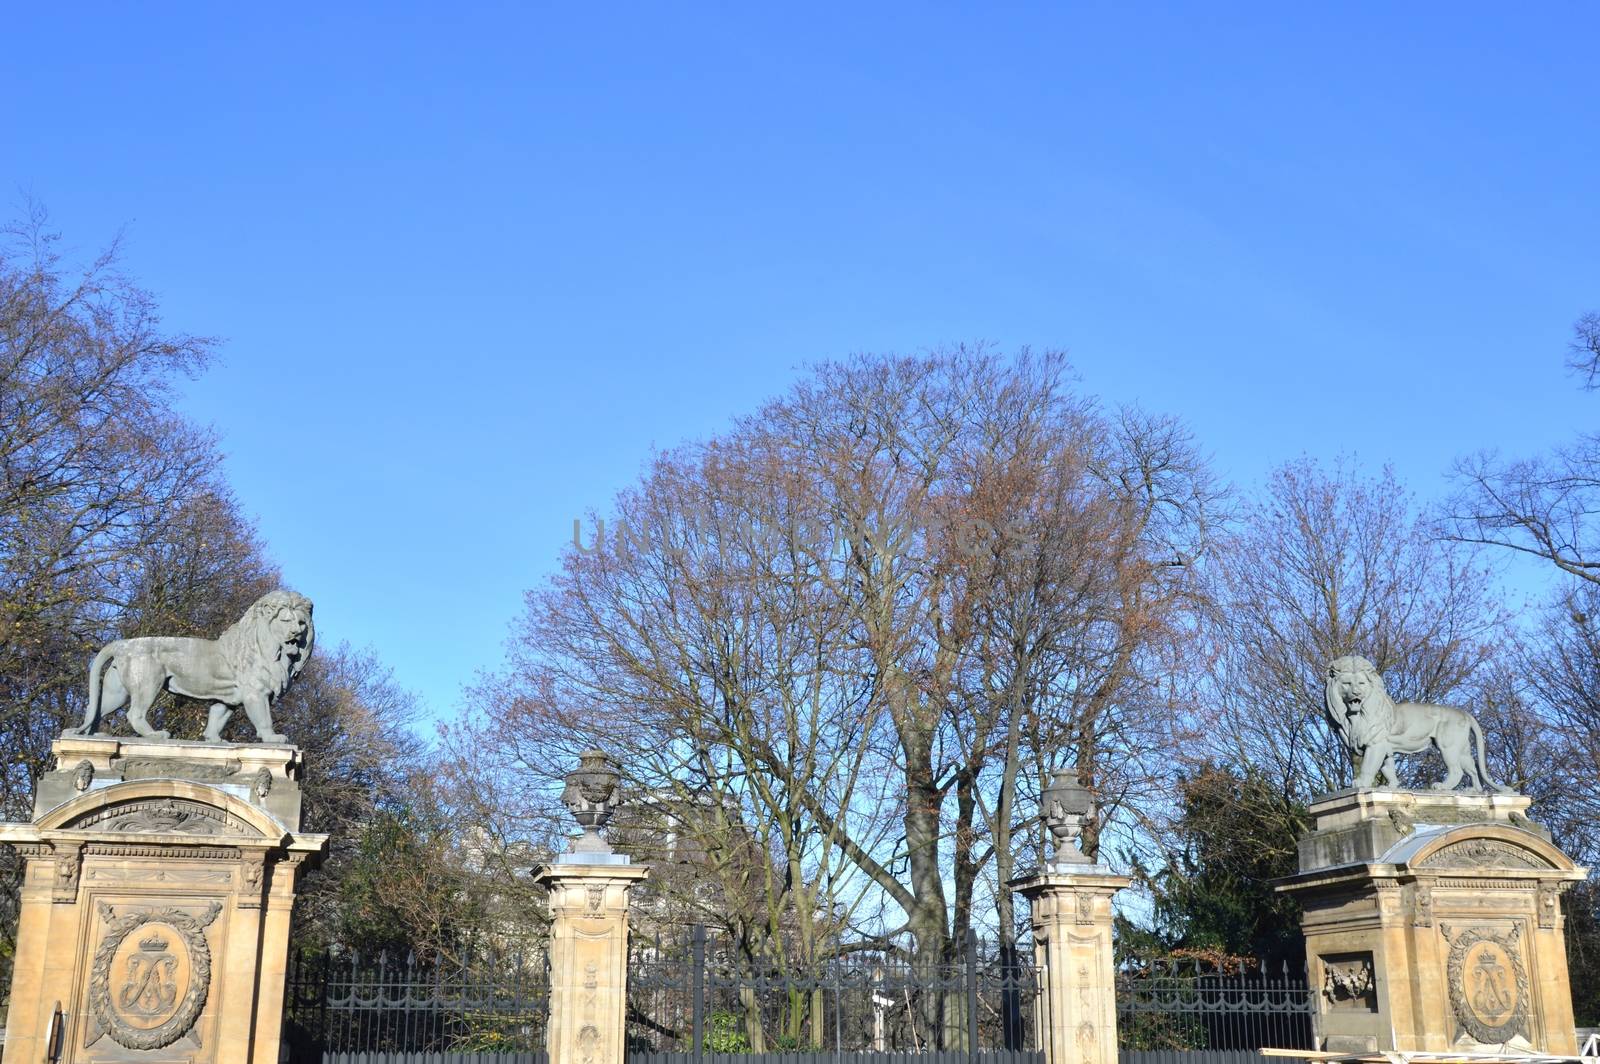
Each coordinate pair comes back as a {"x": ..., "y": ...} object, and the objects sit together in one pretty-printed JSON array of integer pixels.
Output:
[
  {"x": 1374, "y": 728},
  {"x": 249, "y": 665}
]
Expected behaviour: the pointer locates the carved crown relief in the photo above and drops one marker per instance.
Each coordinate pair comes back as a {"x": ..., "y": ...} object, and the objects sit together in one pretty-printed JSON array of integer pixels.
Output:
[
  {"x": 150, "y": 977},
  {"x": 165, "y": 816},
  {"x": 1478, "y": 853}
]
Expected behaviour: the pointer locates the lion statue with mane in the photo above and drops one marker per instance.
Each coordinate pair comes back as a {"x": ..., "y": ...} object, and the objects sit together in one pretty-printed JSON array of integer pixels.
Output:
[
  {"x": 249, "y": 665},
  {"x": 1374, "y": 728}
]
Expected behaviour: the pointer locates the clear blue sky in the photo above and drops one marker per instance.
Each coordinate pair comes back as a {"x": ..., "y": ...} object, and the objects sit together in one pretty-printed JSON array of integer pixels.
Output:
[{"x": 473, "y": 262}]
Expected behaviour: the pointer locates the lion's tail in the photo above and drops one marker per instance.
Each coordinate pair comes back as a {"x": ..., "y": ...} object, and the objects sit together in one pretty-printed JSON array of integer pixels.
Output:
[
  {"x": 1483, "y": 763},
  {"x": 91, "y": 712}
]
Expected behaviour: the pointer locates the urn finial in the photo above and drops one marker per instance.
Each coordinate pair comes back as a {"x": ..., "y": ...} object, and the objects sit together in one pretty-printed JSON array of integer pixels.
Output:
[
  {"x": 591, "y": 797},
  {"x": 1064, "y": 806}
]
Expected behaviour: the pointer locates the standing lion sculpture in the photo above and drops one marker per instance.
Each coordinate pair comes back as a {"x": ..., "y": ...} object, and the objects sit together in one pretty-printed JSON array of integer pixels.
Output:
[
  {"x": 1374, "y": 728},
  {"x": 249, "y": 665}
]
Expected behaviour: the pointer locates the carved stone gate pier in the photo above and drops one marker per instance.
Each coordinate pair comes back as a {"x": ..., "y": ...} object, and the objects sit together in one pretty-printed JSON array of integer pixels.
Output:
[
  {"x": 1433, "y": 923},
  {"x": 156, "y": 894}
]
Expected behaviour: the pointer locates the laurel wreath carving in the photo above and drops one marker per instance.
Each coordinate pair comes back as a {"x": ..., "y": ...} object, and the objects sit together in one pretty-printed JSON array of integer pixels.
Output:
[
  {"x": 192, "y": 928},
  {"x": 1517, "y": 1022}
]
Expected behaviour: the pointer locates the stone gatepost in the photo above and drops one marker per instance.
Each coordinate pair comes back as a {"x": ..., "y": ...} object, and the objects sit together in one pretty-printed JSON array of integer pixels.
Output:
[
  {"x": 589, "y": 887},
  {"x": 588, "y": 960},
  {"x": 1071, "y": 914},
  {"x": 157, "y": 885},
  {"x": 1069, "y": 902},
  {"x": 1433, "y": 924}
]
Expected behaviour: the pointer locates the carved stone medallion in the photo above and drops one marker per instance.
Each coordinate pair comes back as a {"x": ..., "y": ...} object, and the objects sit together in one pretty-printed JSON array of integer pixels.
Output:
[
  {"x": 150, "y": 977},
  {"x": 1489, "y": 991}
]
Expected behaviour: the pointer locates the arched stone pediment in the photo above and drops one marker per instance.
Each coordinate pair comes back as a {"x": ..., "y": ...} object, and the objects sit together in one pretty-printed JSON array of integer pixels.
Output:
[
  {"x": 1497, "y": 846},
  {"x": 163, "y": 807}
]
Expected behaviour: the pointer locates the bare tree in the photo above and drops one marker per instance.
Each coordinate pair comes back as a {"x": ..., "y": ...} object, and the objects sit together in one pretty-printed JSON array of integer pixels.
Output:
[
  {"x": 1583, "y": 353},
  {"x": 1327, "y": 564},
  {"x": 115, "y": 521},
  {"x": 842, "y": 637},
  {"x": 1544, "y": 506}
]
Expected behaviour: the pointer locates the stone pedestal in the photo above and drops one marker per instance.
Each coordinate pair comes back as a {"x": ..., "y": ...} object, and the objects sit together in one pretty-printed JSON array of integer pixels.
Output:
[
  {"x": 588, "y": 957},
  {"x": 157, "y": 886},
  {"x": 1070, "y": 908},
  {"x": 1433, "y": 924}
]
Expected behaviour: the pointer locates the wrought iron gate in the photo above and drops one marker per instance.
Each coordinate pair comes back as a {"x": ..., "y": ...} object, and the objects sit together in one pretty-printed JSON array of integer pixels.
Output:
[
  {"x": 702, "y": 1002},
  {"x": 482, "y": 1006}
]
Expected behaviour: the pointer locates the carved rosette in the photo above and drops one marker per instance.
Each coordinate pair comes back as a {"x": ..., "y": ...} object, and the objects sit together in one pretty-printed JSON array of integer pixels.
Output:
[
  {"x": 1489, "y": 992},
  {"x": 150, "y": 977}
]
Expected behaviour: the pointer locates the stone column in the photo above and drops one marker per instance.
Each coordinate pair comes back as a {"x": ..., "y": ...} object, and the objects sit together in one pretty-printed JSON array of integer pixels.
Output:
[
  {"x": 155, "y": 896},
  {"x": 1070, "y": 908},
  {"x": 588, "y": 960}
]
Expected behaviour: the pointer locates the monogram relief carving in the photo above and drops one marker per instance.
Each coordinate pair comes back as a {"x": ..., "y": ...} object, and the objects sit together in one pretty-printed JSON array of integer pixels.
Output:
[
  {"x": 150, "y": 976},
  {"x": 1488, "y": 984},
  {"x": 1085, "y": 908}
]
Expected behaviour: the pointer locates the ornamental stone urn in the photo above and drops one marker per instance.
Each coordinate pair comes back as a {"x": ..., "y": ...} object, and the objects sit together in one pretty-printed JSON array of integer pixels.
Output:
[
  {"x": 591, "y": 797},
  {"x": 1065, "y": 805}
]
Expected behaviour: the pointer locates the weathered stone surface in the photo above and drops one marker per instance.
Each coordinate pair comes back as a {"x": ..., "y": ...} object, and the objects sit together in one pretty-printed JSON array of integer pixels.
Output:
[
  {"x": 1071, "y": 914},
  {"x": 1361, "y": 825},
  {"x": 1433, "y": 924},
  {"x": 233, "y": 768},
  {"x": 156, "y": 910},
  {"x": 249, "y": 665}
]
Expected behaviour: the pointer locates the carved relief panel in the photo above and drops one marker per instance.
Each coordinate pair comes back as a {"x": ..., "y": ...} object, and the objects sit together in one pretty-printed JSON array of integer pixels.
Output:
[
  {"x": 1349, "y": 982},
  {"x": 150, "y": 976},
  {"x": 1488, "y": 982}
]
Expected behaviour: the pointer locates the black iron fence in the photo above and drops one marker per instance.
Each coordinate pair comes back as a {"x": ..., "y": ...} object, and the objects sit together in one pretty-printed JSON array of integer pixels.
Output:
[
  {"x": 355, "y": 1008},
  {"x": 1190, "y": 1006},
  {"x": 701, "y": 998}
]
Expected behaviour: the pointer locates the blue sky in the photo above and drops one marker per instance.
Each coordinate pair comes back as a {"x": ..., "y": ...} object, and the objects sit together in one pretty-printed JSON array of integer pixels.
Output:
[{"x": 472, "y": 263}]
